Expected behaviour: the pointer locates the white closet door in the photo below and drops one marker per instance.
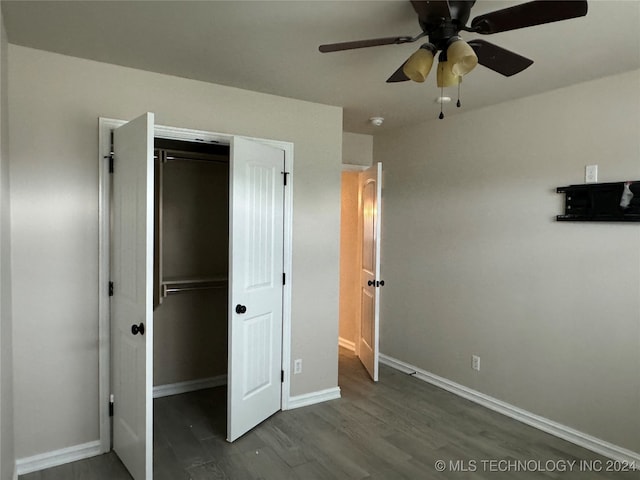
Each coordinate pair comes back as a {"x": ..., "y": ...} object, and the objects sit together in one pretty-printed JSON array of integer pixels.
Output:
[
  {"x": 131, "y": 315},
  {"x": 370, "y": 211},
  {"x": 256, "y": 277}
]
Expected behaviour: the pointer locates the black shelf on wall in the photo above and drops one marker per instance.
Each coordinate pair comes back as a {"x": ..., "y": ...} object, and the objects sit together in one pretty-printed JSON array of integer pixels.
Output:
[{"x": 601, "y": 202}]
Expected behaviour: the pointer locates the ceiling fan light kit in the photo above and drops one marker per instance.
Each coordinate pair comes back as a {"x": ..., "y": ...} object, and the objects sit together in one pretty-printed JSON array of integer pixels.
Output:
[
  {"x": 442, "y": 20},
  {"x": 445, "y": 76},
  {"x": 461, "y": 57},
  {"x": 418, "y": 66}
]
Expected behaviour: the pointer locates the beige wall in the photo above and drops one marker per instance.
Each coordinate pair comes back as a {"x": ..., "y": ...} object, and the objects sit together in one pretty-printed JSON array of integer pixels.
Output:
[
  {"x": 7, "y": 458},
  {"x": 54, "y": 105},
  {"x": 357, "y": 149},
  {"x": 349, "y": 258},
  {"x": 475, "y": 262}
]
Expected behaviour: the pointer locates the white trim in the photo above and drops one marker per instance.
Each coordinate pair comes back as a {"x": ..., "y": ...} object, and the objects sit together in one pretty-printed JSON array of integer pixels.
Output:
[
  {"x": 569, "y": 434},
  {"x": 285, "y": 391},
  {"x": 191, "y": 135},
  {"x": 189, "y": 386},
  {"x": 104, "y": 326},
  {"x": 58, "y": 457},
  {"x": 312, "y": 398},
  {"x": 104, "y": 262},
  {"x": 348, "y": 344},
  {"x": 287, "y": 296},
  {"x": 349, "y": 167}
]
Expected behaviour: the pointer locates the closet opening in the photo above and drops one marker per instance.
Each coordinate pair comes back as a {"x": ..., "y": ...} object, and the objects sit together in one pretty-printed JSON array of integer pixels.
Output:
[
  {"x": 191, "y": 271},
  {"x": 177, "y": 261}
]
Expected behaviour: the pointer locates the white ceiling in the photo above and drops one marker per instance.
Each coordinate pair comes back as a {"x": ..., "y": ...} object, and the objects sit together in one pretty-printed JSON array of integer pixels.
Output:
[{"x": 272, "y": 47}]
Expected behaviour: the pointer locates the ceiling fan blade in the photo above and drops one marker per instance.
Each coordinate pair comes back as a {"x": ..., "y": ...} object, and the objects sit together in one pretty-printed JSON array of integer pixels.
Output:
[
  {"x": 430, "y": 10},
  {"x": 528, "y": 14},
  {"x": 499, "y": 59},
  {"x": 398, "y": 76},
  {"x": 374, "y": 42}
]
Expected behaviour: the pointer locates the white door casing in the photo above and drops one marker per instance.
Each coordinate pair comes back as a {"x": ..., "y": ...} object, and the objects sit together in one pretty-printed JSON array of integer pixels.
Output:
[
  {"x": 132, "y": 276},
  {"x": 370, "y": 195},
  {"x": 107, "y": 364},
  {"x": 256, "y": 284}
]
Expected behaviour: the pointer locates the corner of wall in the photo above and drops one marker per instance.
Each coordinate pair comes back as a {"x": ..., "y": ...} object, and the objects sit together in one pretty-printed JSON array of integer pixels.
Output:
[{"x": 7, "y": 447}]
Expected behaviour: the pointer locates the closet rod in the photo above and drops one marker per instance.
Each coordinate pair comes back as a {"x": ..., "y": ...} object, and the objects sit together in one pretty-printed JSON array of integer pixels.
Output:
[
  {"x": 191, "y": 159},
  {"x": 169, "y": 288}
]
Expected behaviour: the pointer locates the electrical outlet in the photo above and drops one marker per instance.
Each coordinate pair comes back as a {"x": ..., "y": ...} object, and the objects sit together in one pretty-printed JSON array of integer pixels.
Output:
[
  {"x": 297, "y": 366},
  {"x": 591, "y": 174},
  {"x": 475, "y": 362}
]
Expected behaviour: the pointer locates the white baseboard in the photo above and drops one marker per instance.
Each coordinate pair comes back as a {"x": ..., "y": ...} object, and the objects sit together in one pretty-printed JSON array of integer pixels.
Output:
[
  {"x": 57, "y": 457},
  {"x": 554, "y": 428},
  {"x": 313, "y": 398},
  {"x": 190, "y": 386},
  {"x": 348, "y": 344}
]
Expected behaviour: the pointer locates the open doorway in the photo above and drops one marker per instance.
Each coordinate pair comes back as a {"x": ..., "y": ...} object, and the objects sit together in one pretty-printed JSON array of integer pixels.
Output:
[
  {"x": 350, "y": 253},
  {"x": 360, "y": 280},
  {"x": 191, "y": 269}
]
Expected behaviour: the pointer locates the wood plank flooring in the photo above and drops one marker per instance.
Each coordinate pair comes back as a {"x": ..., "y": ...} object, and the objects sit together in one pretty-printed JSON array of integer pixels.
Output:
[{"x": 396, "y": 429}]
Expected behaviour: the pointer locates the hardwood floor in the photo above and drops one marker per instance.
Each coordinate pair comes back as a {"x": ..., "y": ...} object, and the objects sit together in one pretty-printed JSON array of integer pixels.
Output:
[{"x": 396, "y": 429}]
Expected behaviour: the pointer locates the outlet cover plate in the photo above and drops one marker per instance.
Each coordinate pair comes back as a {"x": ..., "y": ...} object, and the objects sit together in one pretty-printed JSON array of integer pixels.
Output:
[{"x": 475, "y": 362}]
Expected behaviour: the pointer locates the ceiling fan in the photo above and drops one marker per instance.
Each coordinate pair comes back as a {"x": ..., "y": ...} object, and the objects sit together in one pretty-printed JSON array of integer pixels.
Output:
[{"x": 442, "y": 20}]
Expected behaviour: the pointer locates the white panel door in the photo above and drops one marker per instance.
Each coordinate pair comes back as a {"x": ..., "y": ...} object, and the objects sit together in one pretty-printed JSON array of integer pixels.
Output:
[
  {"x": 370, "y": 282},
  {"x": 131, "y": 307},
  {"x": 255, "y": 280}
]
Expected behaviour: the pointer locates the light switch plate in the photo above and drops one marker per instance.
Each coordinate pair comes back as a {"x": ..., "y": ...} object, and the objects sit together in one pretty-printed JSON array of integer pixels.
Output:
[{"x": 591, "y": 174}]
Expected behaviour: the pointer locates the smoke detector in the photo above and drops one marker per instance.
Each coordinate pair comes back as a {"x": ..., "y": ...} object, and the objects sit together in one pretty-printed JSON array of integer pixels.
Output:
[{"x": 376, "y": 121}]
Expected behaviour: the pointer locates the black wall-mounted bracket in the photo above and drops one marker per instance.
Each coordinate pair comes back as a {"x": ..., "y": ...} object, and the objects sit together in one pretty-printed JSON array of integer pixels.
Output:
[{"x": 601, "y": 202}]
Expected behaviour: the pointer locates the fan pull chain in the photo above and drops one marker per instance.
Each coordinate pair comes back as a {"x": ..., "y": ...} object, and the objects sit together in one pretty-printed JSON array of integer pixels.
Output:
[
  {"x": 458, "y": 104},
  {"x": 441, "y": 116}
]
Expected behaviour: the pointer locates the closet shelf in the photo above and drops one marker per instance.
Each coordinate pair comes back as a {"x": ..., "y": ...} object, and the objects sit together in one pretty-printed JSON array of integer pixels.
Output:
[{"x": 182, "y": 285}]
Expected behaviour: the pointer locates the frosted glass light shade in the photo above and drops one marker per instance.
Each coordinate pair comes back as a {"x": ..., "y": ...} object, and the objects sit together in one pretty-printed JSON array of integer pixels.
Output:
[
  {"x": 418, "y": 65},
  {"x": 445, "y": 77},
  {"x": 461, "y": 57}
]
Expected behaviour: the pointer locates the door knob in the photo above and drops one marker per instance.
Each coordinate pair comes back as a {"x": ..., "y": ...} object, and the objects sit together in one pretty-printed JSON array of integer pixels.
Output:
[
  {"x": 135, "y": 329},
  {"x": 240, "y": 309},
  {"x": 380, "y": 283},
  {"x": 371, "y": 283}
]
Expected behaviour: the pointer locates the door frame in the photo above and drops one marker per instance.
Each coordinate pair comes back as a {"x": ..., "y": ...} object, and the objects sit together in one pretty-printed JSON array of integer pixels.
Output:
[{"x": 105, "y": 127}]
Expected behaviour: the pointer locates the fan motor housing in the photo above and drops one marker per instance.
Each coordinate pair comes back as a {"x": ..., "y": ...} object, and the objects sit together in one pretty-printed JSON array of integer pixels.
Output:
[{"x": 442, "y": 34}]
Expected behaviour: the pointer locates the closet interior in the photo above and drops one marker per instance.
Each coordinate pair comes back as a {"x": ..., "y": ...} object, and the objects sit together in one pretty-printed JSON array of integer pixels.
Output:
[{"x": 191, "y": 265}]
